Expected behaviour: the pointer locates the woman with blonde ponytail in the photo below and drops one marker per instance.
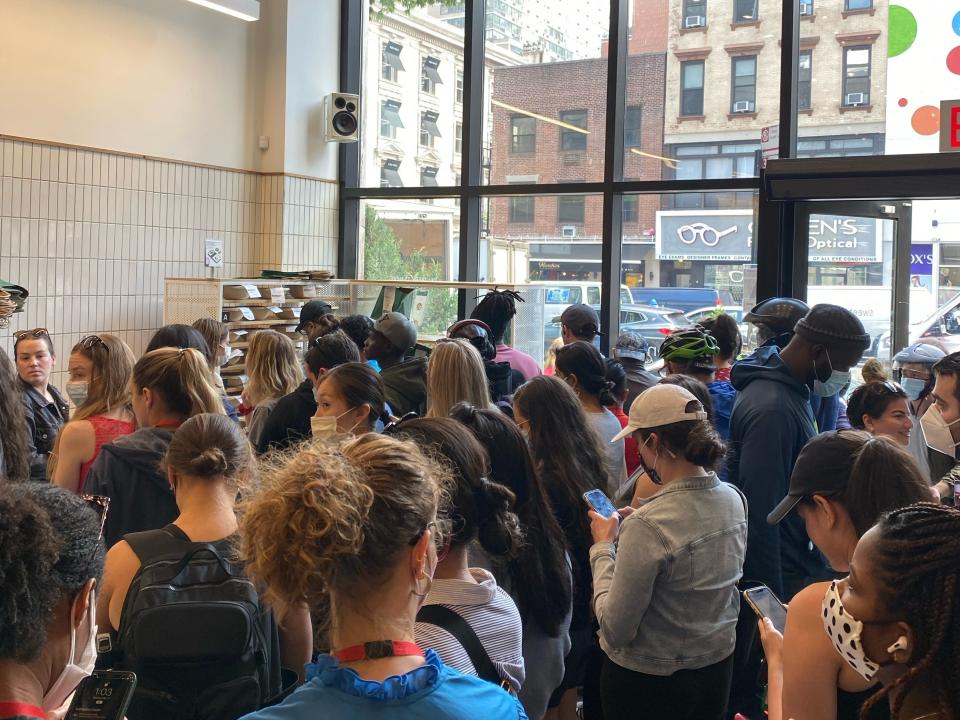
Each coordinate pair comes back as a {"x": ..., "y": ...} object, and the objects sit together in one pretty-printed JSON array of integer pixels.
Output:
[{"x": 169, "y": 386}]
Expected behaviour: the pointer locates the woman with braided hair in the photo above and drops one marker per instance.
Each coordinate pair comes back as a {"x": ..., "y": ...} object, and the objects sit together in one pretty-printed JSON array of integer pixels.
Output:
[
  {"x": 497, "y": 309},
  {"x": 896, "y": 616}
]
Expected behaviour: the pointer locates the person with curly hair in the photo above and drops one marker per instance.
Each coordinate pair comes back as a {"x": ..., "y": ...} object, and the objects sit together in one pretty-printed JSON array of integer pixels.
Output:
[
  {"x": 51, "y": 559},
  {"x": 352, "y": 530},
  {"x": 497, "y": 309},
  {"x": 896, "y": 616},
  {"x": 14, "y": 453}
]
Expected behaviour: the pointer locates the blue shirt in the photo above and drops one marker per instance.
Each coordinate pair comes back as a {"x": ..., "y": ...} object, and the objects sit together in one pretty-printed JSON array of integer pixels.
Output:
[{"x": 432, "y": 691}]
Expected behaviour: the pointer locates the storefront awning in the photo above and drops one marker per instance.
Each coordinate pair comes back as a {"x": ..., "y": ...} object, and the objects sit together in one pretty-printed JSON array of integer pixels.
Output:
[
  {"x": 428, "y": 177},
  {"x": 391, "y": 113},
  {"x": 429, "y": 123},
  {"x": 390, "y": 175}
]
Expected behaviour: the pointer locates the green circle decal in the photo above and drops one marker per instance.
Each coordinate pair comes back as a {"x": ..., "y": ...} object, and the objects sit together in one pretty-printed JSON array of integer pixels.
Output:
[{"x": 903, "y": 30}]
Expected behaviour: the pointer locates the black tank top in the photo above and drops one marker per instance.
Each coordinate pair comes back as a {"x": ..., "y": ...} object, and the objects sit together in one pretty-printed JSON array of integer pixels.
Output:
[{"x": 849, "y": 704}]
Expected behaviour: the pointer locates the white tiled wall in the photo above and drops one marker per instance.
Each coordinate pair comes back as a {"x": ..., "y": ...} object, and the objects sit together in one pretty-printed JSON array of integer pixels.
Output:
[{"x": 93, "y": 234}]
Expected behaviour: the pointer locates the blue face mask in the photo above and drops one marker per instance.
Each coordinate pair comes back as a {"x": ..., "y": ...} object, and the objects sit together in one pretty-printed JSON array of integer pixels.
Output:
[
  {"x": 913, "y": 387},
  {"x": 835, "y": 382}
]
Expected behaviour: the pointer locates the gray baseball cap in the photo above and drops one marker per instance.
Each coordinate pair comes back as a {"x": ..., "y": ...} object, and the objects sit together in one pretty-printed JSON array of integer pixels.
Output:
[
  {"x": 631, "y": 344},
  {"x": 396, "y": 328}
]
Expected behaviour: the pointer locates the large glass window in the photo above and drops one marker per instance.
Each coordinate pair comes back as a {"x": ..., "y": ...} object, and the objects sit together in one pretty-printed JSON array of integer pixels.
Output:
[
  {"x": 743, "y": 96},
  {"x": 523, "y": 134},
  {"x": 856, "y": 76},
  {"x": 573, "y": 126},
  {"x": 691, "y": 88},
  {"x": 521, "y": 209}
]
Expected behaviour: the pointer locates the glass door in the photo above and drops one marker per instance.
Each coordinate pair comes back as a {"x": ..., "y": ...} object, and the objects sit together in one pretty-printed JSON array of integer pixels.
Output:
[{"x": 857, "y": 254}]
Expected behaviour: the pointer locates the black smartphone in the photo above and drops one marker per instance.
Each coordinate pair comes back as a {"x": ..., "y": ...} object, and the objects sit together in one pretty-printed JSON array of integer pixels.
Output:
[
  {"x": 767, "y": 605},
  {"x": 598, "y": 500},
  {"x": 105, "y": 695}
]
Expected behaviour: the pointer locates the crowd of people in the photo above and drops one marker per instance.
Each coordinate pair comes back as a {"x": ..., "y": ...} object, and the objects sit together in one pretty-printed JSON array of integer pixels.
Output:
[{"x": 379, "y": 532}]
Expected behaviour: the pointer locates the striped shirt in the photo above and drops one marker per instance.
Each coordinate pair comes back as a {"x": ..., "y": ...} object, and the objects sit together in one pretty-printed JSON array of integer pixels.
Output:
[{"x": 492, "y": 615}]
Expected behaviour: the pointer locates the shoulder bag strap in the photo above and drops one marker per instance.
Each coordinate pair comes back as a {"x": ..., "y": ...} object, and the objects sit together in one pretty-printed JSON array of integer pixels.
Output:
[{"x": 453, "y": 623}]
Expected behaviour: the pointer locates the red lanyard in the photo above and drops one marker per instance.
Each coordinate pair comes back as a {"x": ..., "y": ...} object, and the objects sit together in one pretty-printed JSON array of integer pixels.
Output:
[
  {"x": 15, "y": 709},
  {"x": 376, "y": 650},
  {"x": 172, "y": 424}
]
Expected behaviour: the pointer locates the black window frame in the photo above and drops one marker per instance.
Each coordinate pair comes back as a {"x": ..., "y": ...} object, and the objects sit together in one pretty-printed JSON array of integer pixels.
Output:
[
  {"x": 521, "y": 210},
  {"x": 571, "y": 209},
  {"x": 742, "y": 18},
  {"x": 633, "y": 132},
  {"x": 735, "y": 61},
  {"x": 518, "y": 139},
  {"x": 845, "y": 90},
  {"x": 693, "y": 8},
  {"x": 685, "y": 91},
  {"x": 571, "y": 140},
  {"x": 805, "y": 86}
]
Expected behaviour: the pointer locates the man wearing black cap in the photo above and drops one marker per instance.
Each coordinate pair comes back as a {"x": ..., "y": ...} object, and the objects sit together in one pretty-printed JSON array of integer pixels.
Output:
[
  {"x": 771, "y": 423},
  {"x": 310, "y": 314},
  {"x": 579, "y": 322},
  {"x": 404, "y": 381}
]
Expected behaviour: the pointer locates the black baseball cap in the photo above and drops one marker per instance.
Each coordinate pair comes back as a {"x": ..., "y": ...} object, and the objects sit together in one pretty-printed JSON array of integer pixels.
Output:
[
  {"x": 822, "y": 468},
  {"x": 313, "y": 311},
  {"x": 582, "y": 320}
]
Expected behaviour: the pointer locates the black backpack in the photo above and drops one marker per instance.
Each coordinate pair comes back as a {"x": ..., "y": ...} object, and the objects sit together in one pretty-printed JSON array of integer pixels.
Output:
[{"x": 195, "y": 631}]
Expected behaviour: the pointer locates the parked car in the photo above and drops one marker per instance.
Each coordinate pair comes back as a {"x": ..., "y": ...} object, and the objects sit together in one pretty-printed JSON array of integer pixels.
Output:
[
  {"x": 653, "y": 323},
  {"x": 560, "y": 294},
  {"x": 747, "y": 331},
  {"x": 685, "y": 299},
  {"x": 941, "y": 329}
]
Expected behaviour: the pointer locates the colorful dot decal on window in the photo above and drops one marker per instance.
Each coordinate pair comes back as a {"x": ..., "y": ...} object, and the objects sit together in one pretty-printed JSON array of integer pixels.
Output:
[
  {"x": 953, "y": 61},
  {"x": 926, "y": 120},
  {"x": 956, "y": 23},
  {"x": 903, "y": 30}
]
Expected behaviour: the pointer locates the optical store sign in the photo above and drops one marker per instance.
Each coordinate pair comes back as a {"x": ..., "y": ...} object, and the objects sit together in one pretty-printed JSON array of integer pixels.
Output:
[{"x": 727, "y": 236}]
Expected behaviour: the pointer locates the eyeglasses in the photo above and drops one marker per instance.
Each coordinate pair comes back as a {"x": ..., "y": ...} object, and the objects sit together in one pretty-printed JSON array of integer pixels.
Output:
[
  {"x": 100, "y": 504},
  {"x": 394, "y": 425},
  {"x": 90, "y": 342},
  {"x": 36, "y": 333}
]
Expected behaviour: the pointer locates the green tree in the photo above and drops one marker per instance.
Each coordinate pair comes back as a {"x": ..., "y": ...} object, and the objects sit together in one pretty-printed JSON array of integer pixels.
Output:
[
  {"x": 409, "y": 5},
  {"x": 384, "y": 260}
]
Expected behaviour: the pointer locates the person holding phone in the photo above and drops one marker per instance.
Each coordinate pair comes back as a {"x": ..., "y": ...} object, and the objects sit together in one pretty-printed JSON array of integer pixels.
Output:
[
  {"x": 665, "y": 581},
  {"x": 51, "y": 560},
  {"x": 843, "y": 482}
]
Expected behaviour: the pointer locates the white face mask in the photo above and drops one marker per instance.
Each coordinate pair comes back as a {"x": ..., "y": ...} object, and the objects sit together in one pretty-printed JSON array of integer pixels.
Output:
[
  {"x": 323, "y": 427},
  {"x": 936, "y": 431},
  {"x": 844, "y": 631},
  {"x": 77, "y": 392},
  {"x": 73, "y": 673}
]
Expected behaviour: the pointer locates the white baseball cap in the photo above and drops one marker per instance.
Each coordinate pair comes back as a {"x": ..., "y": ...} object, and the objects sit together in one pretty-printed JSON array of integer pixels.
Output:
[{"x": 662, "y": 405}]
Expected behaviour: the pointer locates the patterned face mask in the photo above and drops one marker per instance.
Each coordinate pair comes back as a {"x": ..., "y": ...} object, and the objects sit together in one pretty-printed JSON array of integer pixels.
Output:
[{"x": 844, "y": 631}]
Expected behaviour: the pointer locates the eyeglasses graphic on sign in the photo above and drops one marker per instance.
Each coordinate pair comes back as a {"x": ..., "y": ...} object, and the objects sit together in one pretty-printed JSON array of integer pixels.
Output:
[{"x": 709, "y": 236}]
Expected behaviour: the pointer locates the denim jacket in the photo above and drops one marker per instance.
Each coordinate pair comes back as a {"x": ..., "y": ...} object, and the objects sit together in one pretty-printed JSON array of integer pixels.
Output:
[
  {"x": 666, "y": 595},
  {"x": 44, "y": 420}
]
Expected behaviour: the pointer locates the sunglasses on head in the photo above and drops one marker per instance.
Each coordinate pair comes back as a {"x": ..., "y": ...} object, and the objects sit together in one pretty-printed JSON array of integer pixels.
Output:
[
  {"x": 90, "y": 342},
  {"x": 393, "y": 425},
  {"x": 35, "y": 333},
  {"x": 100, "y": 504}
]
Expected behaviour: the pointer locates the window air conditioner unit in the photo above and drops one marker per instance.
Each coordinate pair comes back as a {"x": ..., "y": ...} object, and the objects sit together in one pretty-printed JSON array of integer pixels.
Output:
[
  {"x": 568, "y": 231},
  {"x": 806, "y": 8},
  {"x": 743, "y": 106},
  {"x": 855, "y": 99},
  {"x": 694, "y": 21}
]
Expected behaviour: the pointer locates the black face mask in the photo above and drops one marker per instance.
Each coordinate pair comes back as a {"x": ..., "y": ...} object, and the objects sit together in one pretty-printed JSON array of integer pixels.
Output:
[{"x": 650, "y": 471}]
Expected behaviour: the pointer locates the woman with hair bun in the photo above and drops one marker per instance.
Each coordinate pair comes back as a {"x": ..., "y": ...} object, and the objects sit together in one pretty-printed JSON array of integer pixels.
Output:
[
  {"x": 207, "y": 461},
  {"x": 665, "y": 583},
  {"x": 479, "y": 511},
  {"x": 581, "y": 366},
  {"x": 353, "y": 530}
]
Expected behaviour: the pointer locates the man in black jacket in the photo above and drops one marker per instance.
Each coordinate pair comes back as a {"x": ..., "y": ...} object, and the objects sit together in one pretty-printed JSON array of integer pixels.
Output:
[
  {"x": 44, "y": 407},
  {"x": 404, "y": 381}
]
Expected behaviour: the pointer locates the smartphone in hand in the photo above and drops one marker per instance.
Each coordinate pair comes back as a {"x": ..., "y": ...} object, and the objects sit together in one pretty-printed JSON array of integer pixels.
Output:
[
  {"x": 105, "y": 695},
  {"x": 767, "y": 605},
  {"x": 599, "y": 501}
]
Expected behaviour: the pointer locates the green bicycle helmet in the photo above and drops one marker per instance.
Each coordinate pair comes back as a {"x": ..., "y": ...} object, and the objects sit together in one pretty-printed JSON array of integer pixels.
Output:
[{"x": 693, "y": 346}]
